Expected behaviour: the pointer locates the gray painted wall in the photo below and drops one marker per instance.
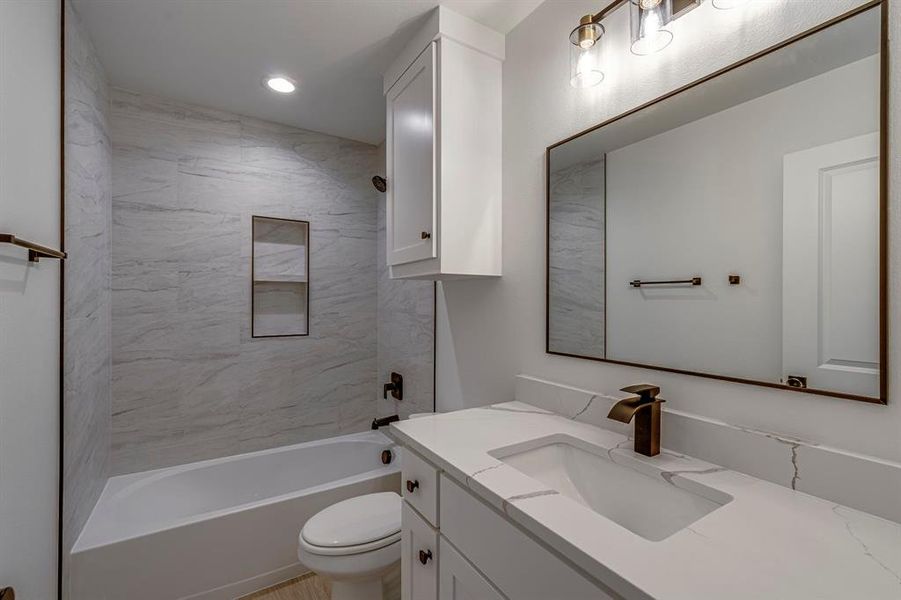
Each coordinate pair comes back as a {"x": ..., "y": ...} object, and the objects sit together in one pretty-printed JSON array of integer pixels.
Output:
[
  {"x": 87, "y": 308},
  {"x": 189, "y": 383}
]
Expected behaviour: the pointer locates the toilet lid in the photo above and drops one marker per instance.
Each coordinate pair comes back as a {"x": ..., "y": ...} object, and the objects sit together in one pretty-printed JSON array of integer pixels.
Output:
[{"x": 354, "y": 522}]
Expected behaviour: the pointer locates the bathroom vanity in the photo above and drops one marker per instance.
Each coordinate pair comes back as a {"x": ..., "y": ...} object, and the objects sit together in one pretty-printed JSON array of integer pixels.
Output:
[{"x": 515, "y": 501}]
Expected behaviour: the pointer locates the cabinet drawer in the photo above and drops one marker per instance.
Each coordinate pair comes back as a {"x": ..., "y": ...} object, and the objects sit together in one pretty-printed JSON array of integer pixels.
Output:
[
  {"x": 514, "y": 562},
  {"x": 419, "y": 557},
  {"x": 420, "y": 486},
  {"x": 459, "y": 580}
]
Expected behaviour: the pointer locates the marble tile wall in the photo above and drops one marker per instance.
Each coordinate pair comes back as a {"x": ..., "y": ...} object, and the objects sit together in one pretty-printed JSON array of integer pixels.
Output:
[
  {"x": 188, "y": 381},
  {"x": 86, "y": 376},
  {"x": 406, "y": 331},
  {"x": 576, "y": 315},
  {"x": 863, "y": 482}
]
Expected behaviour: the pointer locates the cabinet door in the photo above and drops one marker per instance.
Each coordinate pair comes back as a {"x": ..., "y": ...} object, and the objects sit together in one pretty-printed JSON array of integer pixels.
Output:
[
  {"x": 515, "y": 563},
  {"x": 419, "y": 557},
  {"x": 410, "y": 147},
  {"x": 458, "y": 580}
]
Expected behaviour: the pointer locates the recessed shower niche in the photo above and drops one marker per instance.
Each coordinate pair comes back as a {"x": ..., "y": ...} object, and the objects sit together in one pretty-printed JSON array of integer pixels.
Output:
[{"x": 281, "y": 277}]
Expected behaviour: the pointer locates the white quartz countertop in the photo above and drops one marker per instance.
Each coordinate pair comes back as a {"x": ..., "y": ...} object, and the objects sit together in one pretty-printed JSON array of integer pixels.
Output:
[{"x": 769, "y": 542}]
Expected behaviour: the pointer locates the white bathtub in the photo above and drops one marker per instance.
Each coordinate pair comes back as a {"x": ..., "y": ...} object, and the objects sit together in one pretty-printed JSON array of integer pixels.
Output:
[{"x": 219, "y": 528}]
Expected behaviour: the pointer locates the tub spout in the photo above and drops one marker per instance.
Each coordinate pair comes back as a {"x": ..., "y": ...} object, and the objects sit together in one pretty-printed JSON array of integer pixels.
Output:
[{"x": 384, "y": 421}]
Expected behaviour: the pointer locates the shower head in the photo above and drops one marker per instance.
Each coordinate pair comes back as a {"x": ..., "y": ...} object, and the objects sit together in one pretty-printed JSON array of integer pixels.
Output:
[{"x": 380, "y": 184}]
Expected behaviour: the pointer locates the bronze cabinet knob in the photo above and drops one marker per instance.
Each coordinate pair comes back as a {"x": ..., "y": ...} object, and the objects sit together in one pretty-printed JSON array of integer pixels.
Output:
[
  {"x": 387, "y": 457},
  {"x": 425, "y": 556},
  {"x": 412, "y": 485},
  {"x": 425, "y": 235}
]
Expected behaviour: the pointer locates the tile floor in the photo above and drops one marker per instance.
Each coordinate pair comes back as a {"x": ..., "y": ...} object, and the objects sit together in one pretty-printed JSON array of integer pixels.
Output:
[
  {"x": 311, "y": 587},
  {"x": 308, "y": 587}
]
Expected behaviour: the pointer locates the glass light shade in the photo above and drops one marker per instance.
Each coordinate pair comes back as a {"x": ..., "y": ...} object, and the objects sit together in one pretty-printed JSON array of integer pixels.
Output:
[
  {"x": 585, "y": 55},
  {"x": 727, "y": 4},
  {"x": 648, "y": 19}
]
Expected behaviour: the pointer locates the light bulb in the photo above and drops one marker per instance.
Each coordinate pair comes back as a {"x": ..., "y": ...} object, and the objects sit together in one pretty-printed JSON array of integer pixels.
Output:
[
  {"x": 280, "y": 84},
  {"x": 587, "y": 73}
]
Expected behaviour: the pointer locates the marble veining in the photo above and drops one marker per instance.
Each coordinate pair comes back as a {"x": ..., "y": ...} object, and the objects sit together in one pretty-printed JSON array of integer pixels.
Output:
[
  {"x": 528, "y": 495},
  {"x": 842, "y": 513},
  {"x": 87, "y": 318},
  {"x": 767, "y": 542},
  {"x": 189, "y": 382}
]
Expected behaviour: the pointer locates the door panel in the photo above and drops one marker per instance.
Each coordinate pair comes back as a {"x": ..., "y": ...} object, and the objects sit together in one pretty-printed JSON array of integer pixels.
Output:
[
  {"x": 29, "y": 296},
  {"x": 831, "y": 266},
  {"x": 411, "y": 231}
]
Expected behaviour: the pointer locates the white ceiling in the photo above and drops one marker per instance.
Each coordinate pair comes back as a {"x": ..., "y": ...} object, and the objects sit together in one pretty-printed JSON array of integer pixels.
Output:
[{"x": 216, "y": 52}]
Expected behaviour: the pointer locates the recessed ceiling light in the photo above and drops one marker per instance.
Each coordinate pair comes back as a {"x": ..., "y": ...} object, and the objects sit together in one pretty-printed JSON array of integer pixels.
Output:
[{"x": 280, "y": 84}]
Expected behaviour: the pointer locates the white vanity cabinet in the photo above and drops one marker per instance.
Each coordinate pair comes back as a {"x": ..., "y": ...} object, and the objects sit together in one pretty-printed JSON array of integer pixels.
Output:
[
  {"x": 459, "y": 580},
  {"x": 443, "y": 152},
  {"x": 476, "y": 553}
]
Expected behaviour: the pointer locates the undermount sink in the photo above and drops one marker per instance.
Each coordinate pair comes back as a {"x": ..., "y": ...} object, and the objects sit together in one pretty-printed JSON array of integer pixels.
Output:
[{"x": 647, "y": 501}]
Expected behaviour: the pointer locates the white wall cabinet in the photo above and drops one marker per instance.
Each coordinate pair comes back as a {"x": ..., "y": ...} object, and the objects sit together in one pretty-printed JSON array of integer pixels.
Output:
[
  {"x": 476, "y": 553},
  {"x": 443, "y": 152}
]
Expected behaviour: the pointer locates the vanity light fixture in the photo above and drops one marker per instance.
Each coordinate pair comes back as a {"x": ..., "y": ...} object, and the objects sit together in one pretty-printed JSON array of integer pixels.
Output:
[
  {"x": 648, "y": 22},
  {"x": 280, "y": 84}
]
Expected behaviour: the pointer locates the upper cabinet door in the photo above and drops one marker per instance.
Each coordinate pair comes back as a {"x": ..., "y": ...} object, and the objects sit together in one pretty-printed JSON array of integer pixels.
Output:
[{"x": 410, "y": 223}]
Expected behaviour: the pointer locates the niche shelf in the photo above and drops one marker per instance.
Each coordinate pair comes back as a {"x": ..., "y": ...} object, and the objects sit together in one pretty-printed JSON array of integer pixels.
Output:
[{"x": 280, "y": 273}]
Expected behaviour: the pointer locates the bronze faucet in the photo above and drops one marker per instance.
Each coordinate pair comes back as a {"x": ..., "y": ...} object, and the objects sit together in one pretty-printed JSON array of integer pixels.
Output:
[{"x": 645, "y": 407}]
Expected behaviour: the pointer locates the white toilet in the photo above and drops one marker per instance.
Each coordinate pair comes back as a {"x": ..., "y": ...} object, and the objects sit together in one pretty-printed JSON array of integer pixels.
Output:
[{"x": 354, "y": 544}]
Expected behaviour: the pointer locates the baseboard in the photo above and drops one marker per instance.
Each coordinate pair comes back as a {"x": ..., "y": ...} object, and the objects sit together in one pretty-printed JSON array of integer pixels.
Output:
[{"x": 251, "y": 585}]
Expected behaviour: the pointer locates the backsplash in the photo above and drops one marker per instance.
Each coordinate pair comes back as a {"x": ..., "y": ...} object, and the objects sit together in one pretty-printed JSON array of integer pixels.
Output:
[{"x": 862, "y": 482}]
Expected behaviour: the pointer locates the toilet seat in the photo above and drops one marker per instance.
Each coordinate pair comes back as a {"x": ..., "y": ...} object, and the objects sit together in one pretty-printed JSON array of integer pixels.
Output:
[
  {"x": 355, "y": 526},
  {"x": 349, "y": 550}
]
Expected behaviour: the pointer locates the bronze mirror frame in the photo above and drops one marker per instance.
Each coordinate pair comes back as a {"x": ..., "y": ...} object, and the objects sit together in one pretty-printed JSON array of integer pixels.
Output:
[{"x": 883, "y": 211}]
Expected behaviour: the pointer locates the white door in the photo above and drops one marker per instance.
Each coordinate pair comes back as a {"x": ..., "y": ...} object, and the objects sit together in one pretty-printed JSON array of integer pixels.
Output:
[
  {"x": 831, "y": 266},
  {"x": 410, "y": 147},
  {"x": 29, "y": 296},
  {"x": 459, "y": 580}
]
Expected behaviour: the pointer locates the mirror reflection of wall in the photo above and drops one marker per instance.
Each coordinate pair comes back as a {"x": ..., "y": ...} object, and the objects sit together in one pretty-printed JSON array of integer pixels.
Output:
[
  {"x": 576, "y": 261},
  {"x": 770, "y": 172}
]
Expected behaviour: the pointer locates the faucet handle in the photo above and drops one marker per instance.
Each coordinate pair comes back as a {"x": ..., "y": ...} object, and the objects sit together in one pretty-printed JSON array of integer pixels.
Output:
[{"x": 645, "y": 391}]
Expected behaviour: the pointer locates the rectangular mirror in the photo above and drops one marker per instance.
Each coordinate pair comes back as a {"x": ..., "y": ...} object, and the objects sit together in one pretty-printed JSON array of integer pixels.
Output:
[{"x": 735, "y": 228}]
